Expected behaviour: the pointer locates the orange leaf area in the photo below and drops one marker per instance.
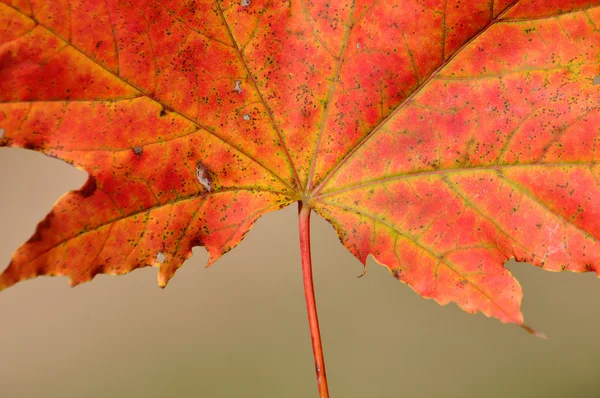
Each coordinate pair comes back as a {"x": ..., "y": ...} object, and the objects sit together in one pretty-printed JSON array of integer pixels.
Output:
[{"x": 443, "y": 137}]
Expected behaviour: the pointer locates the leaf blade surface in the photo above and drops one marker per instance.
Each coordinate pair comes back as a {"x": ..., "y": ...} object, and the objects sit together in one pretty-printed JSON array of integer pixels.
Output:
[{"x": 438, "y": 137}]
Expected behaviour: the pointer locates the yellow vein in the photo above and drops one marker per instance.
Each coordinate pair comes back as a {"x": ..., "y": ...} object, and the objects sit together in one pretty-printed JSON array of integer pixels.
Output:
[
  {"x": 165, "y": 106},
  {"x": 453, "y": 267},
  {"x": 423, "y": 174},
  {"x": 148, "y": 211},
  {"x": 330, "y": 96},
  {"x": 553, "y": 16},
  {"x": 545, "y": 206},
  {"x": 407, "y": 101},
  {"x": 268, "y": 109}
]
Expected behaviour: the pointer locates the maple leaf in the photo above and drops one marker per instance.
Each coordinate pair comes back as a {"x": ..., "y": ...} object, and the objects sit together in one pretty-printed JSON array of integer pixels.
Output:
[{"x": 442, "y": 137}]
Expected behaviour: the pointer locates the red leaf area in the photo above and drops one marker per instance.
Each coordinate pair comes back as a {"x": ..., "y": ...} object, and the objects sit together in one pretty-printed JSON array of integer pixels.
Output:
[{"x": 442, "y": 137}]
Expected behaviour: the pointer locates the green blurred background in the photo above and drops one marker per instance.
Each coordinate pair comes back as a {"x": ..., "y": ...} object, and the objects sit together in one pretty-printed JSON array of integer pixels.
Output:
[{"x": 239, "y": 328}]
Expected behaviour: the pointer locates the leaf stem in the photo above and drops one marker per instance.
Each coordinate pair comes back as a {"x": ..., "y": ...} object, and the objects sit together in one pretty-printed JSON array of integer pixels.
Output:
[{"x": 309, "y": 292}]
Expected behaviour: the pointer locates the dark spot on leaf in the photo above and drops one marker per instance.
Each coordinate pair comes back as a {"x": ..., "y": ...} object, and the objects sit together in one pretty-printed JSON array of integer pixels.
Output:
[
  {"x": 43, "y": 225},
  {"x": 163, "y": 112},
  {"x": 31, "y": 146},
  {"x": 89, "y": 187},
  {"x": 40, "y": 270},
  {"x": 138, "y": 150},
  {"x": 5, "y": 141},
  {"x": 98, "y": 44},
  {"x": 96, "y": 269}
]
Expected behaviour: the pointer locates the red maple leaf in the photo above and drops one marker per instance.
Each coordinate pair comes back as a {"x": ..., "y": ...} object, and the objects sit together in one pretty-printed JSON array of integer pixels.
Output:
[{"x": 441, "y": 137}]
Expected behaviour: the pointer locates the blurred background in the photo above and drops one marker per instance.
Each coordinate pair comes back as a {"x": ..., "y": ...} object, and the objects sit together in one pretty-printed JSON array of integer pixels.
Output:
[{"x": 239, "y": 328}]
